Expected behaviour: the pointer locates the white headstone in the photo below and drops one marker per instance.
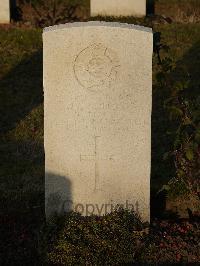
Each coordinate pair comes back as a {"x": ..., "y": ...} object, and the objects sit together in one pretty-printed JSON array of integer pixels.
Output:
[
  {"x": 98, "y": 95},
  {"x": 4, "y": 11},
  {"x": 118, "y": 8}
]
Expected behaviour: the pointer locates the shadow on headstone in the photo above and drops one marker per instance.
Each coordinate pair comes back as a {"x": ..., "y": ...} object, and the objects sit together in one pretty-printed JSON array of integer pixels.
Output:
[{"x": 59, "y": 199}]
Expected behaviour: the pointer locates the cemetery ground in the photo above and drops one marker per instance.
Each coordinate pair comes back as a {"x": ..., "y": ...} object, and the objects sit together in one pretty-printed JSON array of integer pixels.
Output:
[{"x": 116, "y": 239}]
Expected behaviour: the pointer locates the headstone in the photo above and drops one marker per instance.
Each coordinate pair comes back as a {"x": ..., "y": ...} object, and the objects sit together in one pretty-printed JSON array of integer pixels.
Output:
[
  {"x": 116, "y": 8},
  {"x": 98, "y": 95},
  {"x": 4, "y": 11}
]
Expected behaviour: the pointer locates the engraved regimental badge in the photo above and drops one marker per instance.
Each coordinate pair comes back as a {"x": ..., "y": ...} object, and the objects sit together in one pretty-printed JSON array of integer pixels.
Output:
[{"x": 96, "y": 66}]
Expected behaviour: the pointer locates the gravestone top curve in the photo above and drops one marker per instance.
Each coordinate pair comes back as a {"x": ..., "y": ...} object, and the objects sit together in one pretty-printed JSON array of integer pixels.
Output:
[{"x": 97, "y": 24}]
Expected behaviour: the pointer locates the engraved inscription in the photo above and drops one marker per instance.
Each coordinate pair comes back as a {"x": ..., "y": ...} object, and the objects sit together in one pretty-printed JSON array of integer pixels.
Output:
[
  {"x": 96, "y": 66},
  {"x": 96, "y": 158}
]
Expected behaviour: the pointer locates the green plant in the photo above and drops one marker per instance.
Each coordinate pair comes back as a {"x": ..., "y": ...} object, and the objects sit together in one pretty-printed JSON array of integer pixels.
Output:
[
  {"x": 183, "y": 110},
  {"x": 113, "y": 239}
]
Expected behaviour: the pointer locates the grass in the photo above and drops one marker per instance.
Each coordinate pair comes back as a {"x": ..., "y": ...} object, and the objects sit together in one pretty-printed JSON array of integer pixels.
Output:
[
  {"x": 182, "y": 11},
  {"x": 21, "y": 133},
  {"x": 21, "y": 143}
]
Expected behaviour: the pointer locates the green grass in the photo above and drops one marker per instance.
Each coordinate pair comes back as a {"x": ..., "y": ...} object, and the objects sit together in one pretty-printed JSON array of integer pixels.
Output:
[
  {"x": 21, "y": 132},
  {"x": 21, "y": 142},
  {"x": 182, "y": 11},
  {"x": 21, "y": 108}
]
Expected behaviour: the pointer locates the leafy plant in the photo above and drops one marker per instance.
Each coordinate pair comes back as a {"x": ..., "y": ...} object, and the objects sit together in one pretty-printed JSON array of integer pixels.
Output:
[
  {"x": 109, "y": 240},
  {"x": 183, "y": 110}
]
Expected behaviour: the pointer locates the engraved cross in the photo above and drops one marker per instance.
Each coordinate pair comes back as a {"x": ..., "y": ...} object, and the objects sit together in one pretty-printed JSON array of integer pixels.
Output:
[{"x": 96, "y": 158}]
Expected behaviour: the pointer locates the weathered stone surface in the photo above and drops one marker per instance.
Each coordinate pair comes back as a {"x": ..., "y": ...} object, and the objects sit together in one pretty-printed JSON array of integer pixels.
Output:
[
  {"x": 98, "y": 94},
  {"x": 118, "y": 8},
  {"x": 4, "y": 11}
]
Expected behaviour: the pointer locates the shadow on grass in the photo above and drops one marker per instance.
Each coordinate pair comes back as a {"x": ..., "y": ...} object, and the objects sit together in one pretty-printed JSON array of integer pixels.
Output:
[
  {"x": 22, "y": 192},
  {"x": 15, "y": 11},
  {"x": 22, "y": 166},
  {"x": 162, "y": 142},
  {"x": 190, "y": 65},
  {"x": 150, "y": 6},
  {"x": 20, "y": 91}
]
